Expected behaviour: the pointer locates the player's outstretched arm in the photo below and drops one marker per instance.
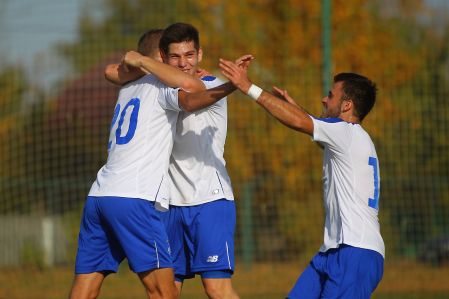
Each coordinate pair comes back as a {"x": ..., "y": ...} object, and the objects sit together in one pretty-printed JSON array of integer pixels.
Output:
[
  {"x": 289, "y": 114},
  {"x": 196, "y": 101},
  {"x": 168, "y": 74},
  {"x": 119, "y": 75}
]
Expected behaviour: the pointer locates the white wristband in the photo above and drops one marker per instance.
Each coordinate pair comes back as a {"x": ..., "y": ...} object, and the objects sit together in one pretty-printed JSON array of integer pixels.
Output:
[{"x": 254, "y": 91}]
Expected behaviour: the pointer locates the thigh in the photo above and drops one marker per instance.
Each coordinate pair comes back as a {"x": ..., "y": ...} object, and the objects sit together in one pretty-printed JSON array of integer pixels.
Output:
[
  {"x": 310, "y": 282},
  {"x": 140, "y": 231},
  {"x": 179, "y": 249},
  {"x": 98, "y": 250},
  {"x": 353, "y": 273},
  {"x": 212, "y": 233}
]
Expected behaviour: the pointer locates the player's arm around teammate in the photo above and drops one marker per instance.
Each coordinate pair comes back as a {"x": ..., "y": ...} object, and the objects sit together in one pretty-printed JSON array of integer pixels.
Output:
[{"x": 193, "y": 95}]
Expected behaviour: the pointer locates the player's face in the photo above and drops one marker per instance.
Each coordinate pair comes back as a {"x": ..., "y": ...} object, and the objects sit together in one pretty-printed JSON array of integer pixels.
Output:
[
  {"x": 184, "y": 56},
  {"x": 332, "y": 103}
]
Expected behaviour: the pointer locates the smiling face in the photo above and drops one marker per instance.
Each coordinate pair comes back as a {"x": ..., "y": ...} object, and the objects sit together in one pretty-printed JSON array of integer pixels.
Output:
[
  {"x": 184, "y": 56},
  {"x": 333, "y": 103}
]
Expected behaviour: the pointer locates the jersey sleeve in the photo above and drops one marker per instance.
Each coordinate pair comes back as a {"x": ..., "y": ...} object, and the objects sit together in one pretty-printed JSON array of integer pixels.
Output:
[
  {"x": 332, "y": 132},
  {"x": 211, "y": 82},
  {"x": 168, "y": 98}
]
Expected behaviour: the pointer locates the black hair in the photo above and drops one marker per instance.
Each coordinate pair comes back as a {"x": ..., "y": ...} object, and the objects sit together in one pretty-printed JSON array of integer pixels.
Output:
[
  {"x": 149, "y": 42},
  {"x": 178, "y": 33},
  {"x": 360, "y": 90}
]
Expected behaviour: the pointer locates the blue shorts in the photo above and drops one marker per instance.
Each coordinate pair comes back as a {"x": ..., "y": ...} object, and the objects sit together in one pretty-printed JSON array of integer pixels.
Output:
[
  {"x": 114, "y": 228},
  {"x": 344, "y": 272},
  {"x": 202, "y": 239}
]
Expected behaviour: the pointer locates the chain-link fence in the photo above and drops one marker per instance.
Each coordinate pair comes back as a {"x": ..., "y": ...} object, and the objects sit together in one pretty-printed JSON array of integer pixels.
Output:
[{"x": 56, "y": 108}]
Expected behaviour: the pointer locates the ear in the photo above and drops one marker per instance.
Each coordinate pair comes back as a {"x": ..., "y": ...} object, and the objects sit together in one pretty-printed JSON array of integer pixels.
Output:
[
  {"x": 347, "y": 105},
  {"x": 200, "y": 54},
  {"x": 164, "y": 58}
]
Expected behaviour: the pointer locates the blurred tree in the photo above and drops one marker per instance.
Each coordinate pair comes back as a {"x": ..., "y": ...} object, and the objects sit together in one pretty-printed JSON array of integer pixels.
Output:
[
  {"x": 13, "y": 88},
  {"x": 384, "y": 40}
]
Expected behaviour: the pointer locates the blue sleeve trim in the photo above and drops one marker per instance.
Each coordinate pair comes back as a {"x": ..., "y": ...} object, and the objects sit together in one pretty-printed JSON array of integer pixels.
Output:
[
  {"x": 329, "y": 119},
  {"x": 208, "y": 78}
]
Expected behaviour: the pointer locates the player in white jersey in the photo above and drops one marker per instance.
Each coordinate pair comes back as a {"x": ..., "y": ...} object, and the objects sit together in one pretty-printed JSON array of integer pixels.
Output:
[
  {"x": 350, "y": 261},
  {"x": 119, "y": 219},
  {"x": 201, "y": 219}
]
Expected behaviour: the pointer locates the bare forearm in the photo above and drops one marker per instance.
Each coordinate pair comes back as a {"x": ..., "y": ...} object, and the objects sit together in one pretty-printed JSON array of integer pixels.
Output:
[
  {"x": 171, "y": 76},
  {"x": 115, "y": 74},
  {"x": 199, "y": 100},
  {"x": 288, "y": 114}
]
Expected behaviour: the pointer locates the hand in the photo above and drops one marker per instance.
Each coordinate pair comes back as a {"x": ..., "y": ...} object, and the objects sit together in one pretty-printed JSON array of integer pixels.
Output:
[
  {"x": 244, "y": 61},
  {"x": 132, "y": 58},
  {"x": 237, "y": 75},
  {"x": 200, "y": 73},
  {"x": 283, "y": 94}
]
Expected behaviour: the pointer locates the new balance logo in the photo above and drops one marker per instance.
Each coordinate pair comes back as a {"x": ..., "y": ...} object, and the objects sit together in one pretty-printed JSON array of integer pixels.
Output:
[{"x": 212, "y": 259}]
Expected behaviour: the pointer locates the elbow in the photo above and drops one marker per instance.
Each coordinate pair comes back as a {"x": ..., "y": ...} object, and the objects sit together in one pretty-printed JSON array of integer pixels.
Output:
[
  {"x": 109, "y": 73},
  {"x": 187, "y": 106},
  {"x": 108, "y": 70},
  {"x": 193, "y": 85}
]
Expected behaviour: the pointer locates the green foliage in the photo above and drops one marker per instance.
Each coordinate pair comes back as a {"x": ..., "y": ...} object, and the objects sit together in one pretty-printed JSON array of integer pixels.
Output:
[{"x": 389, "y": 43}]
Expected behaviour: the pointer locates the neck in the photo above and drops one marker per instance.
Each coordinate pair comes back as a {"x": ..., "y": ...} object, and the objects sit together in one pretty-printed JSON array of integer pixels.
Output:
[{"x": 349, "y": 118}]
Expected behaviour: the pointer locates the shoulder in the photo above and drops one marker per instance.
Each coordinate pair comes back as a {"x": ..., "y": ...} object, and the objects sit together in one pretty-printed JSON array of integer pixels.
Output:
[
  {"x": 329, "y": 120},
  {"x": 211, "y": 81}
]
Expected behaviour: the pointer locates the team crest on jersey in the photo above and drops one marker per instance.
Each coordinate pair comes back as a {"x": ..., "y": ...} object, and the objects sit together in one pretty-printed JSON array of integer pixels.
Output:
[{"x": 212, "y": 259}]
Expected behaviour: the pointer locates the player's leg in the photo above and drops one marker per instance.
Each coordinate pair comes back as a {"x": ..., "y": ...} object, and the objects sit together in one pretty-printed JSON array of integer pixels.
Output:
[
  {"x": 86, "y": 286},
  {"x": 309, "y": 283},
  {"x": 159, "y": 283},
  {"x": 141, "y": 233},
  {"x": 353, "y": 273},
  {"x": 212, "y": 232},
  {"x": 179, "y": 245},
  {"x": 98, "y": 253},
  {"x": 216, "y": 287}
]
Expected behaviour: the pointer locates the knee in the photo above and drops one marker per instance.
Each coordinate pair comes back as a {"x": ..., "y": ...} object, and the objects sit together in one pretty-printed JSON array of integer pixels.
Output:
[
  {"x": 165, "y": 293},
  {"x": 84, "y": 294},
  {"x": 213, "y": 291},
  {"x": 220, "y": 291},
  {"x": 172, "y": 293}
]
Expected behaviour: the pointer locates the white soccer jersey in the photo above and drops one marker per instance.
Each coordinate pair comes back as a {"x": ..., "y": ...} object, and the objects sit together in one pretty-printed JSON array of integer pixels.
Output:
[
  {"x": 140, "y": 142},
  {"x": 197, "y": 167},
  {"x": 351, "y": 183}
]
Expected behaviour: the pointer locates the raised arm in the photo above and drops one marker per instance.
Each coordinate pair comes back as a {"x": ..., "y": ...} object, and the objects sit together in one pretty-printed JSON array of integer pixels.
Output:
[
  {"x": 168, "y": 74},
  {"x": 197, "y": 101},
  {"x": 117, "y": 74},
  {"x": 289, "y": 114}
]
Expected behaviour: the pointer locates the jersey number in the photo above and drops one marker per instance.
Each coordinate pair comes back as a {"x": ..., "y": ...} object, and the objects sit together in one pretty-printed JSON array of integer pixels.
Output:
[
  {"x": 374, "y": 202},
  {"x": 133, "y": 104}
]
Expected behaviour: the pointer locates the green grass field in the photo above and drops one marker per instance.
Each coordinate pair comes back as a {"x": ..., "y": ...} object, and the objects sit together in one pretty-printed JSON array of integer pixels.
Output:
[{"x": 402, "y": 280}]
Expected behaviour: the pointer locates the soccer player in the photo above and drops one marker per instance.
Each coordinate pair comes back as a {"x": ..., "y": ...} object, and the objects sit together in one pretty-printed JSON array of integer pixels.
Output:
[
  {"x": 119, "y": 218},
  {"x": 350, "y": 262},
  {"x": 201, "y": 220}
]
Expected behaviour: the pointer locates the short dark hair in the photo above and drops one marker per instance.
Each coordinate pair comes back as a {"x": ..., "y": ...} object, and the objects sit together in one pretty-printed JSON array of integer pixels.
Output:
[
  {"x": 360, "y": 90},
  {"x": 178, "y": 33},
  {"x": 149, "y": 42}
]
